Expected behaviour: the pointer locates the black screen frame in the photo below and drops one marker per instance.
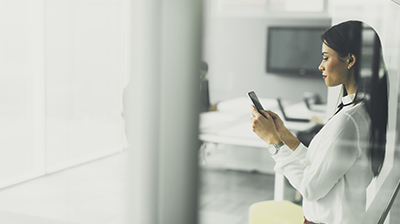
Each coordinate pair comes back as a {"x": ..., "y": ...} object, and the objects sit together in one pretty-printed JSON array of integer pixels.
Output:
[{"x": 291, "y": 71}]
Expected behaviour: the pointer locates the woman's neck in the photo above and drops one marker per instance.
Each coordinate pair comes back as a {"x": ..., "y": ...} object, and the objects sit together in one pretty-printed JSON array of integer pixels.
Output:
[
  {"x": 350, "y": 84},
  {"x": 351, "y": 88}
]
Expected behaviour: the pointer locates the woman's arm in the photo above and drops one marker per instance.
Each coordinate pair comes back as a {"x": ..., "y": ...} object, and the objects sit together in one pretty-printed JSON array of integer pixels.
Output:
[{"x": 333, "y": 154}]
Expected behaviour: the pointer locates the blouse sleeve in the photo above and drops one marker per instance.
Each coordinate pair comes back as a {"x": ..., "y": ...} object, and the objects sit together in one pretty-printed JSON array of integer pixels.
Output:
[{"x": 334, "y": 156}]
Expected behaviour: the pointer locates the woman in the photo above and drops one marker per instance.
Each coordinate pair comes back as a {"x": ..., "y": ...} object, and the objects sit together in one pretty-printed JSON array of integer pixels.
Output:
[{"x": 332, "y": 174}]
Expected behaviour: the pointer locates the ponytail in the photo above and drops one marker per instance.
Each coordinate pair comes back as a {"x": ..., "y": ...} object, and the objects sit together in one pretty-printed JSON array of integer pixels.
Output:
[{"x": 377, "y": 108}]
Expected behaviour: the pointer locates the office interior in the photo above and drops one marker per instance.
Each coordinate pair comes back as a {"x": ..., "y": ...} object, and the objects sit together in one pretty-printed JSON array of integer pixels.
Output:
[{"x": 100, "y": 107}]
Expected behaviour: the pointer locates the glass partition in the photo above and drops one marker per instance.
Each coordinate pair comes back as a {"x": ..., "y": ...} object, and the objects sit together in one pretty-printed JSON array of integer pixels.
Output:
[{"x": 236, "y": 171}]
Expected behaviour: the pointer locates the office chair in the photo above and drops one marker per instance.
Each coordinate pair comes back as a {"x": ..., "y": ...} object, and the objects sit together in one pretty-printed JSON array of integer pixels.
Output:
[
  {"x": 275, "y": 212},
  {"x": 389, "y": 204}
]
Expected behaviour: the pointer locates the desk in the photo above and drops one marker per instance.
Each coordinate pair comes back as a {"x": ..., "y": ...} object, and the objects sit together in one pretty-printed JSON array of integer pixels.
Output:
[{"x": 231, "y": 125}]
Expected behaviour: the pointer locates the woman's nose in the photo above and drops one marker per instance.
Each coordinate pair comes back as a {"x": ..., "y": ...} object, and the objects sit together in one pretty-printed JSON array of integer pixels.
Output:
[{"x": 320, "y": 67}]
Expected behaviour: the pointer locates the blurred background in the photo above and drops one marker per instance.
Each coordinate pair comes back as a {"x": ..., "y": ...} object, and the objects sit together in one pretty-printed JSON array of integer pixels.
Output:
[{"x": 100, "y": 101}]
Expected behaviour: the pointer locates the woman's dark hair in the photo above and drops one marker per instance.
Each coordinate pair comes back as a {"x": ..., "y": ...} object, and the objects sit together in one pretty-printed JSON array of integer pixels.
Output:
[{"x": 371, "y": 79}]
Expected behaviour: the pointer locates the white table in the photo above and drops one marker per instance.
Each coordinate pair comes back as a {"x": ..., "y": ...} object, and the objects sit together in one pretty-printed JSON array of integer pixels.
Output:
[{"x": 231, "y": 125}]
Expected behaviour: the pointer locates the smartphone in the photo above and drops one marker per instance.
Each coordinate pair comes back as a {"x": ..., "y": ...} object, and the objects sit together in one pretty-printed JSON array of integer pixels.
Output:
[{"x": 255, "y": 100}]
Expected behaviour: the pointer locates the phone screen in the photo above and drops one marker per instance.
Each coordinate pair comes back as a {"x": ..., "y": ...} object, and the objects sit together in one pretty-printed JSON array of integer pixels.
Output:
[{"x": 255, "y": 100}]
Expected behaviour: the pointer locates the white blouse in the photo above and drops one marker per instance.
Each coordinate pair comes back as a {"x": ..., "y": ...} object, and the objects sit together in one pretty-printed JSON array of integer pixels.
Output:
[{"x": 332, "y": 174}]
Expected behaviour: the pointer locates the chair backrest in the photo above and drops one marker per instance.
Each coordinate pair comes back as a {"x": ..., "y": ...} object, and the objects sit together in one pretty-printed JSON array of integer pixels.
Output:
[
  {"x": 384, "y": 198},
  {"x": 389, "y": 204}
]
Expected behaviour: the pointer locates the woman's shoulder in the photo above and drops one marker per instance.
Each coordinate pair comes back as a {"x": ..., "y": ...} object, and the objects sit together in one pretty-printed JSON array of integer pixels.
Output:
[
  {"x": 355, "y": 113},
  {"x": 351, "y": 122}
]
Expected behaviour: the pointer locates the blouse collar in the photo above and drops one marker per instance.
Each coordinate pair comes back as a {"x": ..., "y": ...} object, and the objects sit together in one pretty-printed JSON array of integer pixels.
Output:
[{"x": 346, "y": 100}]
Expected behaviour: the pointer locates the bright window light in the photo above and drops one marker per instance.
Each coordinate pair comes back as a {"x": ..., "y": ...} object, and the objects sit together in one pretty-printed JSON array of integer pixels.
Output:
[{"x": 304, "y": 5}]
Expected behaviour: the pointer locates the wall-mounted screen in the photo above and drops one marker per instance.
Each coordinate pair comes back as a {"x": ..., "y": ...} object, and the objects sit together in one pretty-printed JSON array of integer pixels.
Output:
[{"x": 294, "y": 50}]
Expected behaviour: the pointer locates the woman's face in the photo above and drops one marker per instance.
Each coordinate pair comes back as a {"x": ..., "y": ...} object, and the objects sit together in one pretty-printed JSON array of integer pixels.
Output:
[{"x": 334, "y": 68}]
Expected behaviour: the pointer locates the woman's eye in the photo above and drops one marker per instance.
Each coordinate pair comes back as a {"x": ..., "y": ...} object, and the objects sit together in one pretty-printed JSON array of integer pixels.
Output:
[{"x": 325, "y": 59}]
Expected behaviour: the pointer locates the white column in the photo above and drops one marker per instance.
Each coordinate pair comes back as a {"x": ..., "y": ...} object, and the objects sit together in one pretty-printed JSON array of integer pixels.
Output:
[
  {"x": 161, "y": 111},
  {"x": 180, "y": 44},
  {"x": 142, "y": 112}
]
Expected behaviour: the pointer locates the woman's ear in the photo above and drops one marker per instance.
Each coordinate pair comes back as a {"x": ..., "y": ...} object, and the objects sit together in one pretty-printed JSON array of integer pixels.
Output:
[{"x": 351, "y": 60}]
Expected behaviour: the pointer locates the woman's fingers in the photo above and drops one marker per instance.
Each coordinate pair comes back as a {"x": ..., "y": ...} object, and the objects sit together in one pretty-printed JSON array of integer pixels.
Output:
[
  {"x": 263, "y": 125},
  {"x": 266, "y": 114},
  {"x": 255, "y": 112},
  {"x": 273, "y": 115}
]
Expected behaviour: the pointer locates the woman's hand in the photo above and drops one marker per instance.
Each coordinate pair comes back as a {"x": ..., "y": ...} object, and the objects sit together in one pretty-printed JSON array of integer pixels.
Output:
[
  {"x": 264, "y": 127},
  {"x": 280, "y": 127},
  {"x": 271, "y": 125}
]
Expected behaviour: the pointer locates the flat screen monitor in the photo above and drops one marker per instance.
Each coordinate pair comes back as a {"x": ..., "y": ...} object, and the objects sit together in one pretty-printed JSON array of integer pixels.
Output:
[{"x": 294, "y": 50}]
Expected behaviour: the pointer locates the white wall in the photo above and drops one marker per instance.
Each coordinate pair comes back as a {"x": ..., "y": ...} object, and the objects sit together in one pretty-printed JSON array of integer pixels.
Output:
[
  {"x": 235, "y": 49},
  {"x": 21, "y": 84},
  {"x": 84, "y": 80},
  {"x": 61, "y": 72}
]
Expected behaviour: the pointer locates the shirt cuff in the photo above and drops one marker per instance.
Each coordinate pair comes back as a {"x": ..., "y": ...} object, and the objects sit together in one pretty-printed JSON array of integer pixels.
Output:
[
  {"x": 285, "y": 156},
  {"x": 283, "y": 153},
  {"x": 300, "y": 151}
]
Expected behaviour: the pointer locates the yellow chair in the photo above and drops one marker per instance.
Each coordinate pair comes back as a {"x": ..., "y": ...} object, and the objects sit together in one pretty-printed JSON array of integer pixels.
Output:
[{"x": 275, "y": 212}]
